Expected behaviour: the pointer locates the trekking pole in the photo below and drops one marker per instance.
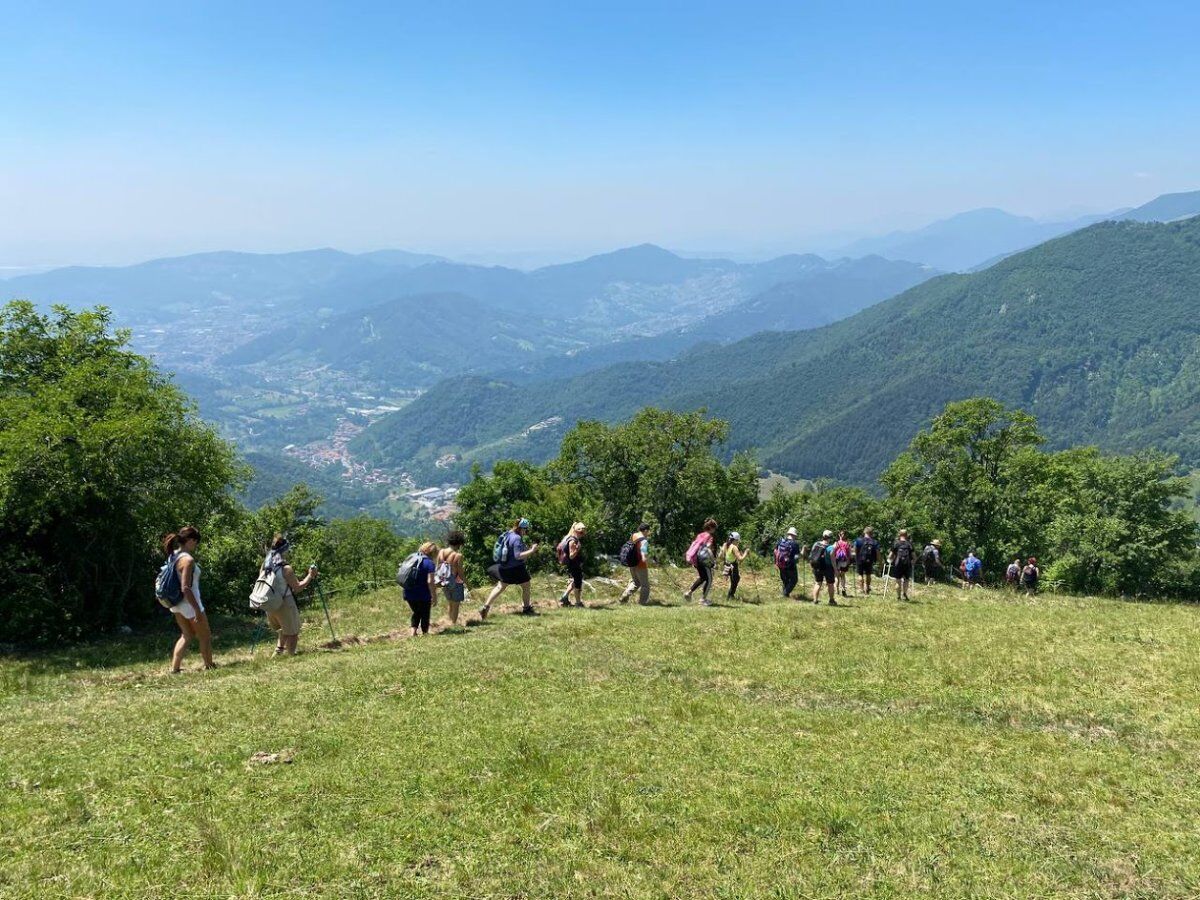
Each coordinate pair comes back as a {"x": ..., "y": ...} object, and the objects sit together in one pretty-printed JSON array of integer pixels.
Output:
[{"x": 328, "y": 620}]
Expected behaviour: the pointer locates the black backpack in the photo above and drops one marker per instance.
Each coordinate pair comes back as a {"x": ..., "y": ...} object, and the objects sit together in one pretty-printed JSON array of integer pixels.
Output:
[
  {"x": 929, "y": 557},
  {"x": 630, "y": 554},
  {"x": 903, "y": 553}
]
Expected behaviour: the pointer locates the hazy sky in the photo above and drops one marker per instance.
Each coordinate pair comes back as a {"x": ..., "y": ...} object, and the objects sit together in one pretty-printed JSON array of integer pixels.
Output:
[{"x": 131, "y": 130}]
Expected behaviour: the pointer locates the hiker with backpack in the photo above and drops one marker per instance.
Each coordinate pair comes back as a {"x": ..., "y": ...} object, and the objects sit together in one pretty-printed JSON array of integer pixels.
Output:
[
  {"x": 972, "y": 569},
  {"x": 177, "y": 588},
  {"x": 841, "y": 561},
  {"x": 701, "y": 556},
  {"x": 450, "y": 575},
  {"x": 418, "y": 579},
  {"x": 1030, "y": 575},
  {"x": 787, "y": 553},
  {"x": 732, "y": 555},
  {"x": 634, "y": 555},
  {"x": 1012, "y": 575},
  {"x": 822, "y": 567},
  {"x": 901, "y": 559},
  {"x": 931, "y": 561},
  {"x": 866, "y": 552},
  {"x": 508, "y": 567},
  {"x": 570, "y": 554},
  {"x": 275, "y": 592}
]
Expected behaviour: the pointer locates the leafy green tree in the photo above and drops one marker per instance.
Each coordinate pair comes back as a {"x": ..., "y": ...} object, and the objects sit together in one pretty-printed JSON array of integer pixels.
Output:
[
  {"x": 837, "y": 508},
  {"x": 661, "y": 466},
  {"x": 99, "y": 456},
  {"x": 1112, "y": 526},
  {"x": 959, "y": 477}
]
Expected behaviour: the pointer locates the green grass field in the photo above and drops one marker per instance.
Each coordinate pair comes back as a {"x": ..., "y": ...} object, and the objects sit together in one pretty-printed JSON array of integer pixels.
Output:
[{"x": 981, "y": 746}]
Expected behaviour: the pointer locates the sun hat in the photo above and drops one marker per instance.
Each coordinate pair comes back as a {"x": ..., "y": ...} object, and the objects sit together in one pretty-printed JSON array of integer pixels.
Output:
[
  {"x": 937, "y": 542},
  {"x": 791, "y": 532},
  {"x": 827, "y": 534}
]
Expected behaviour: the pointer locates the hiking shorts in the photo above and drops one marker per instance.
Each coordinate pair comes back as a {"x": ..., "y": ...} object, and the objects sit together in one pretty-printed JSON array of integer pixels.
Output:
[
  {"x": 822, "y": 574},
  {"x": 454, "y": 592},
  {"x": 865, "y": 568},
  {"x": 575, "y": 569},
  {"x": 286, "y": 619},
  {"x": 902, "y": 570}
]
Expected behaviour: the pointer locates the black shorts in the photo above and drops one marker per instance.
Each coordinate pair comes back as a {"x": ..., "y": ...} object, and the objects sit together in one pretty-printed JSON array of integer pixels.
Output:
[
  {"x": 820, "y": 573},
  {"x": 509, "y": 574},
  {"x": 575, "y": 569},
  {"x": 902, "y": 570},
  {"x": 866, "y": 568}
]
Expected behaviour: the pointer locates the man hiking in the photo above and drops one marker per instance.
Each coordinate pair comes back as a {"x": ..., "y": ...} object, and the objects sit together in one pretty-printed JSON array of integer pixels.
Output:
[
  {"x": 787, "y": 553},
  {"x": 866, "y": 552},
  {"x": 931, "y": 561},
  {"x": 510, "y": 554},
  {"x": 822, "y": 567},
  {"x": 901, "y": 559},
  {"x": 638, "y": 549}
]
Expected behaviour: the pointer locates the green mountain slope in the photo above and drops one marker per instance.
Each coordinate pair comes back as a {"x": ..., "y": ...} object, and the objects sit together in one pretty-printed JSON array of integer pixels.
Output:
[{"x": 1097, "y": 333}]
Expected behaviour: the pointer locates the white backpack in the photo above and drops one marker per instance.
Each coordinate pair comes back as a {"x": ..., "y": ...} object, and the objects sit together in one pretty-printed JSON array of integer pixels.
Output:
[{"x": 269, "y": 590}]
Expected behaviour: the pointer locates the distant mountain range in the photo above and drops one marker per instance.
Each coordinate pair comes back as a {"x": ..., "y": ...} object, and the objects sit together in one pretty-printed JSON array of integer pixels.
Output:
[
  {"x": 1097, "y": 333},
  {"x": 573, "y": 318},
  {"x": 984, "y": 236}
]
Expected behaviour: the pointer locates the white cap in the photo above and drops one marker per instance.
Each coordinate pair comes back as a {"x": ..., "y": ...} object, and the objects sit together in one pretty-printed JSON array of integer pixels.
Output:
[
  {"x": 734, "y": 536},
  {"x": 826, "y": 534}
]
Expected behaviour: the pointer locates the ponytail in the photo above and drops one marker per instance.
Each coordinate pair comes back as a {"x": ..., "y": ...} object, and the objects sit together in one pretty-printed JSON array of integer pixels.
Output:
[{"x": 175, "y": 539}]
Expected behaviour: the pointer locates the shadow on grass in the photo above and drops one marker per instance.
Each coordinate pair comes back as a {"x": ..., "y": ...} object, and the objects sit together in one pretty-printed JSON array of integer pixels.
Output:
[{"x": 150, "y": 642}]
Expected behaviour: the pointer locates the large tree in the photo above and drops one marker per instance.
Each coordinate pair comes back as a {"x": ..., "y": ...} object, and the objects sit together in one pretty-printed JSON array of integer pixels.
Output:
[
  {"x": 99, "y": 456},
  {"x": 957, "y": 478}
]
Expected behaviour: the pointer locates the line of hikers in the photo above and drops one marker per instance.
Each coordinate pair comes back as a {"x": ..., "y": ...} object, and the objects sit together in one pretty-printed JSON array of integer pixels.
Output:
[{"x": 431, "y": 571}]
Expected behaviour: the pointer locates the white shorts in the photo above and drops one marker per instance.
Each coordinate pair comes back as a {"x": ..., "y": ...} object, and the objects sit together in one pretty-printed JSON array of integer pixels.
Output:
[{"x": 184, "y": 609}]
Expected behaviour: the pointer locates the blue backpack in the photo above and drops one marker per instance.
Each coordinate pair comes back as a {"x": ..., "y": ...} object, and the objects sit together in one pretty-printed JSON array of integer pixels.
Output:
[
  {"x": 501, "y": 549},
  {"x": 167, "y": 586}
]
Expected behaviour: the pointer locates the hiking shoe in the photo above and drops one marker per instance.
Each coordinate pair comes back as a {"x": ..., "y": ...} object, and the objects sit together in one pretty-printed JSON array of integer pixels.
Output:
[
  {"x": 623, "y": 599},
  {"x": 706, "y": 603},
  {"x": 833, "y": 602},
  {"x": 564, "y": 602},
  {"x": 483, "y": 611},
  {"x": 529, "y": 611}
]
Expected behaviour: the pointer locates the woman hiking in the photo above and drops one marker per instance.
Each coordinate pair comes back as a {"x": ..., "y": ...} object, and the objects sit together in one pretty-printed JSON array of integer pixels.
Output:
[
  {"x": 732, "y": 555},
  {"x": 1029, "y": 576},
  {"x": 286, "y": 619},
  {"x": 419, "y": 594},
  {"x": 449, "y": 574},
  {"x": 701, "y": 557},
  {"x": 842, "y": 552},
  {"x": 570, "y": 554},
  {"x": 186, "y": 606},
  {"x": 509, "y": 567}
]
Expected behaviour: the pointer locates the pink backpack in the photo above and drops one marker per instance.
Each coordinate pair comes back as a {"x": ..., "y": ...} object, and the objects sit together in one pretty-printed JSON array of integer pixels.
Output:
[{"x": 701, "y": 539}]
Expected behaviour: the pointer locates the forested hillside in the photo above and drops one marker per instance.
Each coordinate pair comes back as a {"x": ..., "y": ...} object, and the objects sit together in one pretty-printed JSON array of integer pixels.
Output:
[{"x": 1097, "y": 333}]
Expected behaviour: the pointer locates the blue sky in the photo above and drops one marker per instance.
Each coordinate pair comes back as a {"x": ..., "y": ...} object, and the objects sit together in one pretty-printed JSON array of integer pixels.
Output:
[{"x": 135, "y": 130}]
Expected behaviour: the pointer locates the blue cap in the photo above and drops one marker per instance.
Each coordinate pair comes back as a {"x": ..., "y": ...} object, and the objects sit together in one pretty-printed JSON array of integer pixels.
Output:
[{"x": 524, "y": 523}]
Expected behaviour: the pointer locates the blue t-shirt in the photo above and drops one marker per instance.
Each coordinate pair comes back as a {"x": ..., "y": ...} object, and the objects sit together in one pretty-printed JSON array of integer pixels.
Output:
[
  {"x": 516, "y": 546},
  {"x": 866, "y": 549},
  {"x": 974, "y": 565},
  {"x": 420, "y": 591}
]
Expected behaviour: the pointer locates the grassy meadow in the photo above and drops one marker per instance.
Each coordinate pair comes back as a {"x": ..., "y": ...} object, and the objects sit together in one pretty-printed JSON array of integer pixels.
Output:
[{"x": 979, "y": 745}]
